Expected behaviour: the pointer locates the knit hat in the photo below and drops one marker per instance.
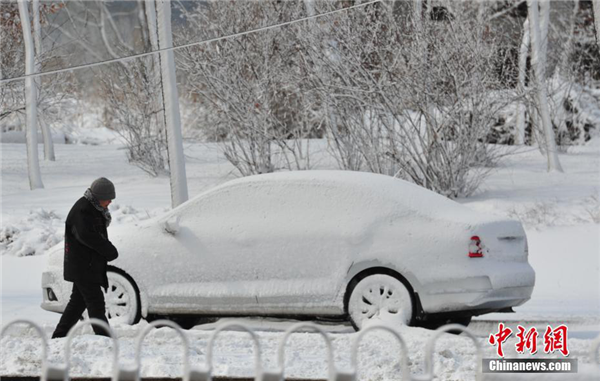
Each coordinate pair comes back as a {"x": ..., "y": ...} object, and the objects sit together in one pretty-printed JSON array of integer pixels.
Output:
[{"x": 103, "y": 189}]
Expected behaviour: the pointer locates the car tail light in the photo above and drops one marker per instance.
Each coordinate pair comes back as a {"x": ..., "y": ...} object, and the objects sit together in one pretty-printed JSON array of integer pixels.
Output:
[{"x": 475, "y": 250}]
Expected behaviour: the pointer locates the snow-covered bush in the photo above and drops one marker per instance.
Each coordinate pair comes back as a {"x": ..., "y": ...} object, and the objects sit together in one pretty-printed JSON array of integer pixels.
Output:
[
  {"x": 575, "y": 111},
  {"x": 52, "y": 89},
  {"x": 592, "y": 209},
  {"x": 410, "y": 97},
  {"x": 416, "y": 109},
  {"x": 130, "y": 89},
  {"x": 12, "y": 62},
  {"x": 250, "y": 90},
  {"x": 41, "y": 229},
  {"x": 32, "y": 235},
  {"x": 539, "y": 214},
  {"x": 572, "y": 71}
]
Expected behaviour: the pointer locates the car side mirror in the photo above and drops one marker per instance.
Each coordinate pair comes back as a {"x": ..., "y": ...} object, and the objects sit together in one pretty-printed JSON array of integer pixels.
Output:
[{"x": 171, "y": 225}]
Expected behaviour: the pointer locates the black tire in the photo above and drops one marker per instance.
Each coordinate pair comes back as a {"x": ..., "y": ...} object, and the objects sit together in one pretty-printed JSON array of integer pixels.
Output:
[
  {"x": 185, "y": 322},
  {"x": 438, "y": 322}
]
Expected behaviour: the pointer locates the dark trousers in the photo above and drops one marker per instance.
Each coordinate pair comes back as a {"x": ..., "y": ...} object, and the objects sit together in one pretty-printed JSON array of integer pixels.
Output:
[{"x": 84, "y": 296}]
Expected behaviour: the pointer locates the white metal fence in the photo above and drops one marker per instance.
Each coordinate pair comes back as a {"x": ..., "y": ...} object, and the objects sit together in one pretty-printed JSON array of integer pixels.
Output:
[{"x": 204, "y": 372}]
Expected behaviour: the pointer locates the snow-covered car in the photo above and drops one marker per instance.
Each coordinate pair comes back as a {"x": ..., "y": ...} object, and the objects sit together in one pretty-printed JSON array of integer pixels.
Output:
[{"x": 334, "y": 244}]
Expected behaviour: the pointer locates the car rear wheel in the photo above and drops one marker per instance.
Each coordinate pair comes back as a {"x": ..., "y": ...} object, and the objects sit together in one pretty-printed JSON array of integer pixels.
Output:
[
  {"x": 122, "y": 299},
  {"x": 445, "y": 320},
  {"x": 379, "y": 298},
  {"x": 185, "y": 322}
]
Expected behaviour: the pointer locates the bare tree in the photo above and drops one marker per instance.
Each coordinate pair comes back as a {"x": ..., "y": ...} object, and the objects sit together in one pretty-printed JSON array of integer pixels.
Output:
[
  {"x": 33, "y": 165},
  {"x": 129, "y": 89},
  {"x": 413, "y": 96},
  {"x": 596, "y": 5},
  {"x": 538, "y": 62},
  {"x": 414, "y": 101},
  {"x": 141, "y": 98},
  {"x": 37, "y": 38},
  {"x": 566, "y": 96},
  {"x": 148, "y": 22},
  {"x": 12, "y": 64},
  {"x": 252, "y": 86},
  {"x": 12, "y": 61},
  {"x": 522, "y": 73}
]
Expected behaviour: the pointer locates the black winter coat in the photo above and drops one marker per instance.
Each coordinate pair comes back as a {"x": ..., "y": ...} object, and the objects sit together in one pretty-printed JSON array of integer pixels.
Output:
[{"x": 87, "y": 248}]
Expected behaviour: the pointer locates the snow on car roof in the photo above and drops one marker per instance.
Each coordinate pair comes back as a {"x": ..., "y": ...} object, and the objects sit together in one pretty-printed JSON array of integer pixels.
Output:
[
  {"x": 325, "y": 175},
  {"x": 354, "y": 178},
  {"x": 410, "y": 195}
]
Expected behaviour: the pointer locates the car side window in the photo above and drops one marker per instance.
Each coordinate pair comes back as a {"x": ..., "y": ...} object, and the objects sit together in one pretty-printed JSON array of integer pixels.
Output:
[{"x": 296, "y": 205}]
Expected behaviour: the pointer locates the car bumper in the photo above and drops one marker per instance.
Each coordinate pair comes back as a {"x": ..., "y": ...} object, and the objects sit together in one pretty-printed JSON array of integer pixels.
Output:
[
  {"x": 495, "y": 292},
  {"x": 55, "y": 291},
  {"x": 492, "y": 300}
]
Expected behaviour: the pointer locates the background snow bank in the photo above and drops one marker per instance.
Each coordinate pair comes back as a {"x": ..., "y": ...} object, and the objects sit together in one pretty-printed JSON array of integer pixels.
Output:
[
  {"x": 41, "y": 229},
  {"x": 71, "y": 122},
  {"x": 521, "y": 188},
  {"x": 71, "y": 135}
]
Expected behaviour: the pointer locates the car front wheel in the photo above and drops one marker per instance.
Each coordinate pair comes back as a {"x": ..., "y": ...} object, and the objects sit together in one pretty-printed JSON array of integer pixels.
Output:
[
  {"x": 122, "y": 299},
  {"x": 379, "y": 298}
]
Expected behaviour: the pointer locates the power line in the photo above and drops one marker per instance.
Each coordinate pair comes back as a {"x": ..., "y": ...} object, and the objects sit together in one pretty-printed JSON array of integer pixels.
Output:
[{"x": 134, "y": 56}]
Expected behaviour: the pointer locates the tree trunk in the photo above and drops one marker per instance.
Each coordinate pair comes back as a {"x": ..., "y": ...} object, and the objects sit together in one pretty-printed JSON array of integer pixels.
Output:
[
  {"x": 544, "y": 23},
  {"x": 37, "y": 38},
  {"x": 565, "y": 55},
  {"x": 538, "y": 65},
  {"x": 418, "y": 9},
  {"x": 523, "y": 51},
  {"x": 150, "y": 10},
  {"x": 596, "y": 5},
  {"x": 179, "y": 191},
  {"x": 33, "y": 165}
]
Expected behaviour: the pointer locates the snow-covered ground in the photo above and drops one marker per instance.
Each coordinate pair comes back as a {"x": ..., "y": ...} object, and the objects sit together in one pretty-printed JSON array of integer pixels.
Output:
[
  {"x": 305, "y": 353},
  {"x": 560, "y": 213}
]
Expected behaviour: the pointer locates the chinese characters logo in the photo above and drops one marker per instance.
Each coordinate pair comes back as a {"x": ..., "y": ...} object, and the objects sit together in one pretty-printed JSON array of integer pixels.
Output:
[{"x": 527, "y": 340}]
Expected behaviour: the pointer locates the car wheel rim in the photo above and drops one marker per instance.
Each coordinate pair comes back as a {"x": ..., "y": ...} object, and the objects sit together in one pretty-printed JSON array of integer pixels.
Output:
[
  {"x": 380, "y": 299},
  {"x": 120, "y": 300}
]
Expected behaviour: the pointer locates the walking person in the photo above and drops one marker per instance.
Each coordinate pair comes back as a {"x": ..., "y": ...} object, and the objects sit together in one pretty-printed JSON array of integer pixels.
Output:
[{"x": 87, "y": 252}]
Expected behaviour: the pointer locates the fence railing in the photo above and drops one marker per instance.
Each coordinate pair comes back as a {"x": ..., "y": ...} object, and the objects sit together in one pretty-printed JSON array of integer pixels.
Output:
[{"x": 204, "y": 372}]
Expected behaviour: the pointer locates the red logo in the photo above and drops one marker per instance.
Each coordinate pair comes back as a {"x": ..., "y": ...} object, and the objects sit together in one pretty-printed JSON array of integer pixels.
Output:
[
  {"x": 527, "y": 339},
  {"x": 499, "y": 338},
  {"x": 556, "y": 340}
]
